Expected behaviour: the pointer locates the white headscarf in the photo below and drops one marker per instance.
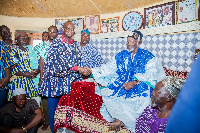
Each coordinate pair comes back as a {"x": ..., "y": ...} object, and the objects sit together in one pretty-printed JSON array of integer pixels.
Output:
[{"x": 18, "y": 91}]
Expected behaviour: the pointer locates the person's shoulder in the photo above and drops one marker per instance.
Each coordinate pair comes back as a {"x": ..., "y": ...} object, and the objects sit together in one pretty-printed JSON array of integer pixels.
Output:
[
  {"x": 14, "y": 50},
  {"x": 32, "y": 102},
  {"x": 56, "y": 43},
  {"x": 4, "y": 47},
  {"x": 7, "y": 106},
  {"x": 147, "y": 110},
  {"x": 75, "y": 43},
  {"x": 1, "y": 42},
  {"x": 56, "y": 40},
  {"x": 122, "y": 53},
  {"x": 91, "y": 46},
  {"x": 146, "y": 52},
  {"x": 39, "y": 44},
  {"x": 143, "y": 50}
]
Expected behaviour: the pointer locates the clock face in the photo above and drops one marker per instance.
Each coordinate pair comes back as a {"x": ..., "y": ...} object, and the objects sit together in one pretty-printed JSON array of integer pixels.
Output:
[{"x": 132, "y": 21}]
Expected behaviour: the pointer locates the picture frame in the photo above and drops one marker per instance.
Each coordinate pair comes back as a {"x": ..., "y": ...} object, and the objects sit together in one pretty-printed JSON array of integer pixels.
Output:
[
  {"x": 78, "y": 23},
  {"x": 110, "y": 25},
  {"x": 159, "y": 15},
  {"x": 187, "y": 11},
  {"x": 114, "y": 24},
  {"x": 104, "y": 25},
  {"x": 92, "y": 23}
]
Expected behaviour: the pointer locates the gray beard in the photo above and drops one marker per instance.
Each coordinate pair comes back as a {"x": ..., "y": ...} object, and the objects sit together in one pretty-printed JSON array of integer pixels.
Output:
[
  {"x": 153, "y": 104},
  {"x": 130, "y": 49}
]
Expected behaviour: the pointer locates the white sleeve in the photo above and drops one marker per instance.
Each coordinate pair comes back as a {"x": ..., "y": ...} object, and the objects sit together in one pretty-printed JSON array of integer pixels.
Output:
[
  {"x": 106, "y": 73},
  {"x": 154, "y": 72}
]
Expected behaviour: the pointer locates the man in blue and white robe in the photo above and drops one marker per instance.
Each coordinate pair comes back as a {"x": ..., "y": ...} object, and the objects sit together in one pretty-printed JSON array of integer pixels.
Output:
[
  {"x": 90, "y": 57},
  {"x": 128, "y": 79}
]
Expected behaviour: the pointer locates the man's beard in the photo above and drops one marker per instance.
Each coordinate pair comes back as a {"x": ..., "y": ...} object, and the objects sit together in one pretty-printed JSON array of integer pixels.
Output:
[
  {"x": 153, "y": 104},
  {"x": 131, "y": 49}
]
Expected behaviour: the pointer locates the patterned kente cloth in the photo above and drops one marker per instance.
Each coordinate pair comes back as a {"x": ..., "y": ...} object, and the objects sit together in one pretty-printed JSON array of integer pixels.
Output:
[
  {"x": 57, "y": 76},
  {"x": 81, "y": 122},
  {"x": 82, "y": 97},
  {"x": 148, "y": 122},
  {"x": 5, "y": 60},
  {"x": 42, "y": 49},
  {"x": 90, "y": 57},
  {"x": 27, "y": 61}
]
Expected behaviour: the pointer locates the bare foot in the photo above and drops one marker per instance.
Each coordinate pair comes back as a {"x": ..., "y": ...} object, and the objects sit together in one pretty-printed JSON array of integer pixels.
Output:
[
  {"x": 115, "y": 125},
  {"x": 45, "y": 126}
]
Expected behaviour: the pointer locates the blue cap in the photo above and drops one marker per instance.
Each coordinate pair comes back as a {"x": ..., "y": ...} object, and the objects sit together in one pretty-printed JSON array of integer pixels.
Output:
[{"x": 86, "y": 31}]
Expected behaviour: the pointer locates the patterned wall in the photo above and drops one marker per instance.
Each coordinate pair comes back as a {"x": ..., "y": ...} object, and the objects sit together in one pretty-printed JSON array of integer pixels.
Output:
[{"x": 175, "y": 51}]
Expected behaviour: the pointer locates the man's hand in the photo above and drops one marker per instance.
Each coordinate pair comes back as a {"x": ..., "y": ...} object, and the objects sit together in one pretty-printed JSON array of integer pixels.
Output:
[
  {"x": 39, "y": 82},
  {"x": 129, "y": 85},
  {"x": 14, "y": 65},
  {"x": 115, "y": 125},
  {"x": 28, "y": 75},
  {"x": 35, "y": 72},
  {"x": 88, "y": 69},
  {"x": 84, "y": 71},
  {"x": 4, "y": 82}
]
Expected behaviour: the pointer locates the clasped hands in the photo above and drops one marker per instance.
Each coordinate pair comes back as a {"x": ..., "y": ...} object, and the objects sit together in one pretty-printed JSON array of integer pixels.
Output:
[
  {"x": 86, "y": 71},
  {"x": 31, "y": 74}
]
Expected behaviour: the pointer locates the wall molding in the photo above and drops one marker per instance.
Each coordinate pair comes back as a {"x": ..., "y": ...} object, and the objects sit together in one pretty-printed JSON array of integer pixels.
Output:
[{"x": 170, "y": 29}]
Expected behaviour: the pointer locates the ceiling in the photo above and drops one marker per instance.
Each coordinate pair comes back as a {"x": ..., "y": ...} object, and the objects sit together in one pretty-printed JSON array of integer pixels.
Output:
[{"x": 67, "y": 8}]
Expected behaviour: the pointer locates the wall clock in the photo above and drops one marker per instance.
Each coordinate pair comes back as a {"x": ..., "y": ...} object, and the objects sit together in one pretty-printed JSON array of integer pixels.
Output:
[{"x": 132, "y": 21}]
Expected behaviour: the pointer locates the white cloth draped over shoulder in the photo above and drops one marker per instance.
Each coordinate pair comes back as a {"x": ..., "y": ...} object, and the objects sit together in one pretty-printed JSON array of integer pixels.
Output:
[{"x": 121, "y": 107}]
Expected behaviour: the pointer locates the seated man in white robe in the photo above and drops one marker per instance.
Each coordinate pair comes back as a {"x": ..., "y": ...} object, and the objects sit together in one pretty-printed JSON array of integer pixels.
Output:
[{"x": 127, "y": 81}]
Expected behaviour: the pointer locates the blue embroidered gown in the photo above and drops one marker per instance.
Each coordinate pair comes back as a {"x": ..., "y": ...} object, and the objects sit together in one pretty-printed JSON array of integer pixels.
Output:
[
  {"x": 57, "y": 76},
  {"x": 119, "y": 103}
]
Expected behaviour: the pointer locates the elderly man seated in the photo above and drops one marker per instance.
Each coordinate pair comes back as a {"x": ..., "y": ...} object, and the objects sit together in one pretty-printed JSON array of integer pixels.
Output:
[
  {"x": 154, "y": 118},
  {"x": 21, "y": 115}
]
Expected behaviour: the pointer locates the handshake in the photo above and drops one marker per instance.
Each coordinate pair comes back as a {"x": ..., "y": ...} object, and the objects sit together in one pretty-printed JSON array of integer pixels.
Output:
[{"x": 86, "y": 71}]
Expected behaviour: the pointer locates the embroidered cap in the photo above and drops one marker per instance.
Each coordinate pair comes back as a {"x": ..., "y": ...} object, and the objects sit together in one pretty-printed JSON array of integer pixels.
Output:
[
  {"x": 18, "y": 91},
  {"x": 173, "y": 85},
  {"x": 19, "y": 33},
  {"x": 137, "y": 35},
  {"x": 86, "y": 31}
]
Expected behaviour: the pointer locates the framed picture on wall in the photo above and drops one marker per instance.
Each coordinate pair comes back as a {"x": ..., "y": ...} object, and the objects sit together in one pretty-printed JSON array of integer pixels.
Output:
[
  {"x": 188, "y": 11},
  {"x": 110, "y": 25},
  {"x": 104, "y": 25},
  {"x": 160, "y": 15},
  {"x": 78, "y": 23},
  {"x": 92, "y": 23},
  {"x": 114, "y": 24}
]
